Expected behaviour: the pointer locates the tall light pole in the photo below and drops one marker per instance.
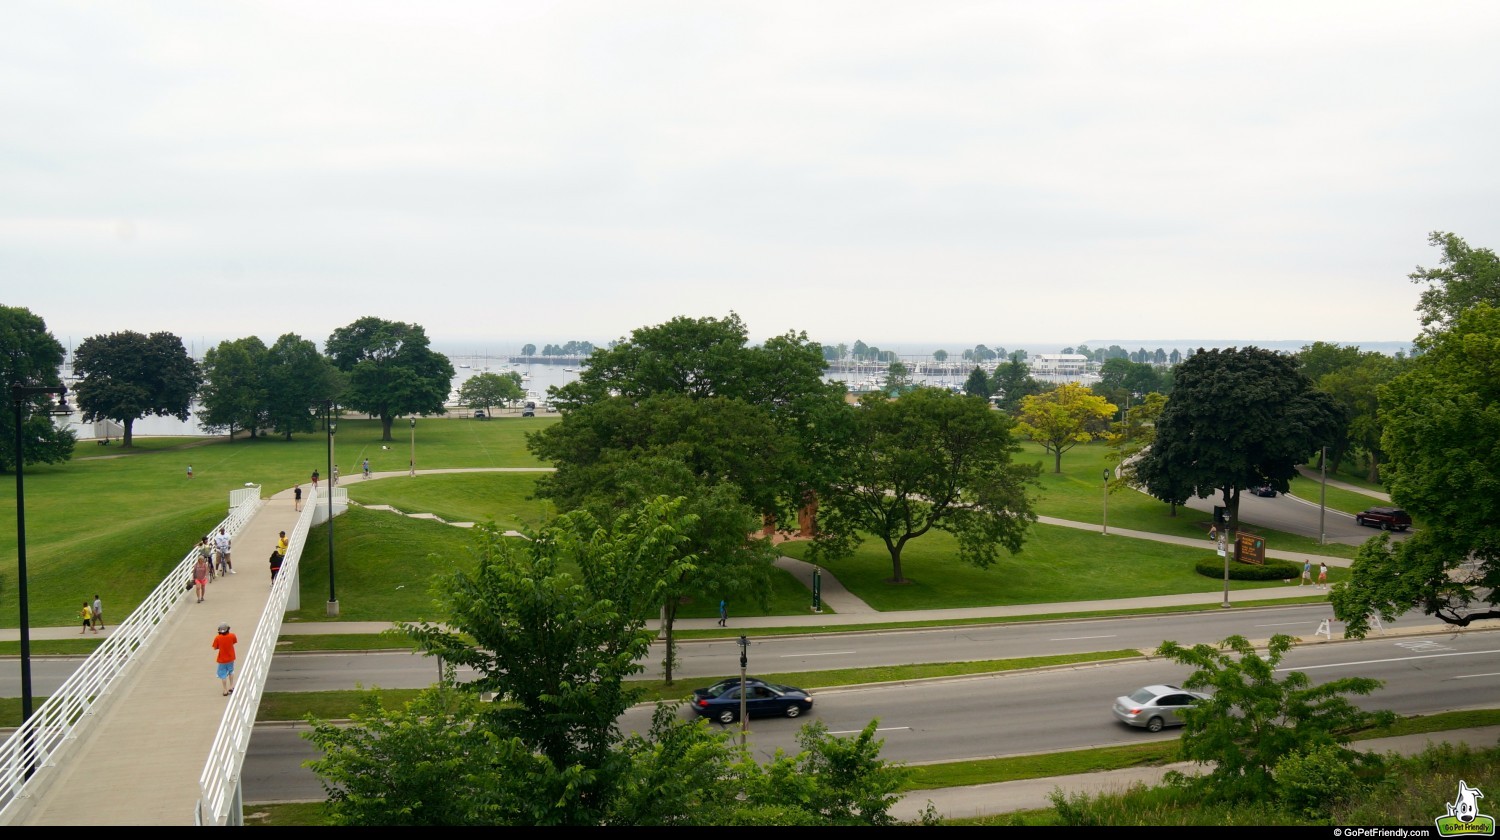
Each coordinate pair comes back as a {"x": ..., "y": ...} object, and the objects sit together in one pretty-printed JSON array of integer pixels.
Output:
[
  {"x": 413, "y": 462},
  {"x": 19, "y": 396},
  {"x": 744, "y": 660},
  {"x": 1323, "y": 497},
  {"x": 1105, "y": 529},
  {"x": 333, "y": 601}
]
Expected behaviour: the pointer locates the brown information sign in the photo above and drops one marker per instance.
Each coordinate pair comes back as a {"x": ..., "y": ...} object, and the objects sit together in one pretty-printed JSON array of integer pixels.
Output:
[{"x": 1252, "y": 548}]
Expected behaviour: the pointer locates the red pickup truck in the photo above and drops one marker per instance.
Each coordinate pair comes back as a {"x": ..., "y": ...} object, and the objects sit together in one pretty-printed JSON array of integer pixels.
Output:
[{"x": 1384, "y": 518}]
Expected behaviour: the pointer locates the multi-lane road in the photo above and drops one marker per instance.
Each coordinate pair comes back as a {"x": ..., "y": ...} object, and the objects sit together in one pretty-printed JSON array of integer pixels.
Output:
[{"x": 1035, "y": 711}]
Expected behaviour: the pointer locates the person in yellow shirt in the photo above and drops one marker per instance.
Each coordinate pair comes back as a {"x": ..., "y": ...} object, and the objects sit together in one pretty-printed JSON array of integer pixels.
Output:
[{"x": 88, "y": 619}]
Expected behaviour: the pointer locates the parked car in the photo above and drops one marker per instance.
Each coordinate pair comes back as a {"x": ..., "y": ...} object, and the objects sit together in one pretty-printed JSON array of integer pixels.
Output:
[
  {"x": 480, "y": 415},
  {"x": 528, "y": 412},
  {"x": 1384, "y": 518},
  {"x": 721, "y": 701},
  {"x": 1264, "y": 490},
  {"x": 1155, "y": 706}
]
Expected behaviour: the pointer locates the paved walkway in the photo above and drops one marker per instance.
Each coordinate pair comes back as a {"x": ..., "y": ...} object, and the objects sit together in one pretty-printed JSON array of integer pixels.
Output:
[{"x": 139, "y": 761}]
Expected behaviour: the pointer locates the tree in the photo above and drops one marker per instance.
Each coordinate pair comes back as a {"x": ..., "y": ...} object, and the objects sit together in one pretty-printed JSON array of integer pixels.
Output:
[
  {"x": 483, "y": 390},
  {"x": 299, "y": 381},
  {"x": 30, "y": 355},
  {"x": 940, "y": 356},
  {"x": 1441, "y": 418},
  {"x": 1237, "y": 418},
  {"x": 978, "y": 384},
  {"x": 233, "y": 395},
  {"x": 528, "y": 350},
  {"x": 1467, "y": 276},
  {"x": 1013, "y": 382},
  {"x": 931, "y": 459},
  {"x": 127, "y": 375},
  {"x": 897, "y": 378},
  {"x": 391, "y": 370},
  {"x": 1064, "y": 417},
  {"x": 557, "y": 646},
  {"x": 1252, "y": 720},
  {"x": 1132, "y": 436},
  {"x": 1356, "y": 389}
]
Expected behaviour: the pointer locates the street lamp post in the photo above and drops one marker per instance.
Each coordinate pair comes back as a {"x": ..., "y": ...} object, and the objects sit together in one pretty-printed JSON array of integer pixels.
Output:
[
  {"x": 744, "y": 660},
  {"x": 413, "y": 462},
  {"x": 19, "y": 394},
  {"x": 1323, "y": 497},
  {"x": 333, "y": 601}
]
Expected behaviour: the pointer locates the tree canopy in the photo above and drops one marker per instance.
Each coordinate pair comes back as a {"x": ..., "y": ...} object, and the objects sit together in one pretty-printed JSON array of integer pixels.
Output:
[
  {"x": 1237, "y": 418},
  {"x": 1464, "y": 277},
  {"x": 553, "y": 624},
  {"x": 233, "y": 395},
  {"x": 391, "y": 370},
  {"x": 1252, "y": 720},
  {"x": 1441, "y": 421},
  {"x": 30, "y": 355},
  {"x": 1064, "y": 417},
  {"x": 929, "y": 460},
  {"x": 127, "y": 376},
  {"x": 483, "y": 390}
]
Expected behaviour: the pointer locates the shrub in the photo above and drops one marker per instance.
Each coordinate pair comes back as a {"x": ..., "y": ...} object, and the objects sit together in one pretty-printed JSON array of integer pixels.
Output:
[
  {"x": 1273, "y": 569},
  {"x": 1314, "y": 781}
]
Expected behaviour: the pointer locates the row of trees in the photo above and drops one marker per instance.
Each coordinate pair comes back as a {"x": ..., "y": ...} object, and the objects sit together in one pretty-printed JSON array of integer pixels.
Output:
[{"x": 570, "y": 348}]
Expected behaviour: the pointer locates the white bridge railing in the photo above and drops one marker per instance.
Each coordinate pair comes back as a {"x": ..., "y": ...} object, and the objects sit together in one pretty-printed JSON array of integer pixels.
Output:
[
  {"x": 58, "y": 723},
  {"x": 220, "y": 797}
]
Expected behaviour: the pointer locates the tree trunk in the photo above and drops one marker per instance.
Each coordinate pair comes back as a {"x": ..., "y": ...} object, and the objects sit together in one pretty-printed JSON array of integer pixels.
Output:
[
  {"x": 129, "y": 425},
  {"x": 1057, "y": 460},
  {"x": 385, "y": 426},
  {"x": 668, "y": 619},
  {"x": 895, "y": 562},
  {"x": 1374, "y": 475}
]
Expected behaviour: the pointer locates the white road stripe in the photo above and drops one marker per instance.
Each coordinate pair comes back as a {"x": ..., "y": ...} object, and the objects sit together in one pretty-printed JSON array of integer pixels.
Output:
[
  {"x": 820, "y": 653},
  {"x": 1080, "y": 638},
  {"x": 877, "y": 729},
  {"x": 1393, "y": 659}
]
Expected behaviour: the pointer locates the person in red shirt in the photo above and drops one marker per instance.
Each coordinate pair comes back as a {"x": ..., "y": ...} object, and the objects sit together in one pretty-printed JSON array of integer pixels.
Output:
[{"x": 224, "y": 644}]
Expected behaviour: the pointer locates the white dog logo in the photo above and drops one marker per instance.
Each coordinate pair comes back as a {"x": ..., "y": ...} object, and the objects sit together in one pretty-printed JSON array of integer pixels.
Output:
[{"x": 1466, "y": 806}]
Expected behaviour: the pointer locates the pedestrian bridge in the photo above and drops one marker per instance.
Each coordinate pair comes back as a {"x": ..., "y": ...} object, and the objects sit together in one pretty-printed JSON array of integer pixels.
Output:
[{"x": 141, "y": 734}]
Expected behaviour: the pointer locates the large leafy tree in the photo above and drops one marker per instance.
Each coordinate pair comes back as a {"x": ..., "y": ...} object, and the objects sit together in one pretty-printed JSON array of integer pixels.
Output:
[
  {"x": 29, "y": 355},
  {"x": 298, "y": 380},
  {"x": 978, "y": 384},
  {"x": 929, "y": 460},
  {"x": 233, "y": 395},
  {"x": 1237, "y": 418},
  {"x": 1465, "y": 276},
  {"x": 483, "y": 390},
  {"x": 1012, "y": 382},
  {"x": 127, "y": 376},
  {"x": 1252, "y": 719},
  {"x": 554, "y": 625},
  {"x": 392, "y": 370},
  {"x": 1441, "y": 423},
  {"x": 1064, "y": 417},
  {"x": 1356, "y": 389}
]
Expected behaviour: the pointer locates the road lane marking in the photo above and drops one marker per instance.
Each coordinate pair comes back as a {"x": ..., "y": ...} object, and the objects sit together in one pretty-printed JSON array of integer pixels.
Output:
[
  {"x": 1474, "y": 676},
  {"x": 877, "y": 729},
  {"x": 1282, "y": 624},
  {"x": 817, "y": 653},
  {"x": 1392, "y": 659},
  {"x": 1081, "y": 638}
]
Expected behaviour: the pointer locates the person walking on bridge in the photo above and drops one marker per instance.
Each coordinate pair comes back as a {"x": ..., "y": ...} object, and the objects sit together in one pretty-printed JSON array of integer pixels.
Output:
[
  {"x": 200, "y": 577},
  {"x": 224, "y": 644},
  {"x": 221, "y": 548},
  {"x": 297, "y": 496}
]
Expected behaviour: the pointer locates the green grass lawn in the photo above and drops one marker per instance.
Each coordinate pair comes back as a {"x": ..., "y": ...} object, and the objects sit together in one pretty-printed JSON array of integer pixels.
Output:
[{"x": 113, "y": 521}]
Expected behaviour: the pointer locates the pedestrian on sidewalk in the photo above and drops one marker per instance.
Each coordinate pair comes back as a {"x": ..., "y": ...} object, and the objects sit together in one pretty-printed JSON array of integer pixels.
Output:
[
  {"x": 221, "y": 546},
  {"x": 1306, "y": 573},
  {"x": 200, "y": 577},
  {"x": 334, "y": 481},
  {"x": 88, "y": 619},
  {"x": 723, "y": 612},
  {"x": 1322, "y": 575},
  {"x": 224, "y": 644},
  {"x": 281, "y": 544},
  {"x": 315, "y": 481},
  {"x": 297, "y": 496},
  {"x": 276, "y": 559},
  {"x": 367, "y": 468},
  {"x": 98, "y": 613}
]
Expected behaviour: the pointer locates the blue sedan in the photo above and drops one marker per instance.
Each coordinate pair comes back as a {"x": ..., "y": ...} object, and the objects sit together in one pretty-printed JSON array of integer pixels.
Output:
[{"x": 721, "y": 701}]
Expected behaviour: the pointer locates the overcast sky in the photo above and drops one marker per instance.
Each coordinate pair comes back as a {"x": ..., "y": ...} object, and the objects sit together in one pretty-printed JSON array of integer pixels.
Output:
[{"x": 919, "y": 172}]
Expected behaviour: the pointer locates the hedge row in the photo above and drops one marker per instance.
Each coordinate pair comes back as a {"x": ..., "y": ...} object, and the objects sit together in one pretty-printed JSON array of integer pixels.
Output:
[{"x": 1213, "y": 567}]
